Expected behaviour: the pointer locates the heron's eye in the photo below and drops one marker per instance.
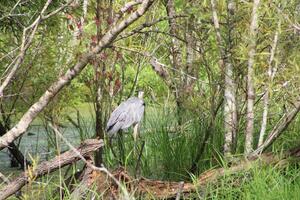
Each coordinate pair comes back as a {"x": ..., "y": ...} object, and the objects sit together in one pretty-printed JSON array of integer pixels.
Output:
[{"x": 144, "y": 104}]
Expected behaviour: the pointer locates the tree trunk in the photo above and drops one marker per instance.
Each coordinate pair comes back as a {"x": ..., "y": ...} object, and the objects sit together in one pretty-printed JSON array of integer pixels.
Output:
[
  {"x": 99, "y": 128},
  {"x": 250, "y": 77},
  {"x": 98, "y": 87},
  {"x": 175, "y": 46},
  {"x": 176, "y": 57},
  {"x": 15, "y": 152},
  {"x": 267, "y": 88},
  {"x": 230, "y": 107}
]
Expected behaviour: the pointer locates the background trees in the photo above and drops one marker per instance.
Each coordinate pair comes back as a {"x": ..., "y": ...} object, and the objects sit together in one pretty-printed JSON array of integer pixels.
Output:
[{"x": 229, "y": 69}]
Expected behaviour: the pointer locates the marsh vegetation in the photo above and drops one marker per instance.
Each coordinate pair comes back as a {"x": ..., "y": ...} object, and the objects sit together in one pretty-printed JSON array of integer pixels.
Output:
[{"x": 221, "y": 82}]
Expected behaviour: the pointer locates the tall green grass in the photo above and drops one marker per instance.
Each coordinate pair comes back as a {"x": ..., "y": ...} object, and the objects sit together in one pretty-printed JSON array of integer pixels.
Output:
[
  {"x": 268, "y": 183},
  {"x": 169, "y": 152}
]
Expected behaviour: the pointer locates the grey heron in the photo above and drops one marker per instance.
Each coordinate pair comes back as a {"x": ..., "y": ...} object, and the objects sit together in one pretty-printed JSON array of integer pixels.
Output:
[{"x": 128, "y": 113}]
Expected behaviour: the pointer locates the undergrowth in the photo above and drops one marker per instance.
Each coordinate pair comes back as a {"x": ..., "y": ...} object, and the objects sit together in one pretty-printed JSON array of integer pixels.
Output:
[{"x": 169, "y": 151}]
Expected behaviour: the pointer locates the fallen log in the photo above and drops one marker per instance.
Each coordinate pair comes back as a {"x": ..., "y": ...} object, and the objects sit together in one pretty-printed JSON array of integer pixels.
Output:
[
  {"x": 146, "y": 188},
  {"x": 46, "y": 167},
  {"x": 85, "y": 183}
]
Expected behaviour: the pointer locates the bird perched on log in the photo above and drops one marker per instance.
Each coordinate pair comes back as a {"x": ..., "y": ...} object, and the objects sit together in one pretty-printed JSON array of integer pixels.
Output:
[{"x": 128, "y": 113}]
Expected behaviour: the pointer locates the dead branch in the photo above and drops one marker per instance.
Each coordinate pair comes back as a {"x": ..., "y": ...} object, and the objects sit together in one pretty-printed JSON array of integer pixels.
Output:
[
  {"x": 85, "y": 183},
  {"x": 65, "y": 79},
  {"x": 46, "y": 167},
  {"x": 281, "y": 125}
]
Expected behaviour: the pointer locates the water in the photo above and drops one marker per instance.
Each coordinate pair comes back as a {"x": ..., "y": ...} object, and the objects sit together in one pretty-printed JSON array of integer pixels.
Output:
[{"x": 34, "y": 144}]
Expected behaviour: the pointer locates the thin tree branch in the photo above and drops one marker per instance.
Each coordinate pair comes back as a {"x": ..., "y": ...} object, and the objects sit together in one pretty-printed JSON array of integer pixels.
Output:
[
  {"x": 4, "y": 178},
  {"x": 149, "y": 24}
]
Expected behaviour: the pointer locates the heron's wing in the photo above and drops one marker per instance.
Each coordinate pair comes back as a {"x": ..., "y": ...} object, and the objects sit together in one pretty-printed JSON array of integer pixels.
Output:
[
  {"x": 120, "y": 118},
  {"x": 115, "y": 115},
  {"x": 125, "y": 115}
]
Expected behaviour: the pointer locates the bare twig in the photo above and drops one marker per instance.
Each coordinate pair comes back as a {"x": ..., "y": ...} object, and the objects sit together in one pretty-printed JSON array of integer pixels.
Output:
[
  {"x": 57, "y": 10},
  {"x": 8, "y": 55},
  {"x": 137, "y": 167},
  {"x": 147, "y": 25},
  {"x": 159, "y": 67},
  {"x": 10, "y": 12},
  {"x": 125, "y": 8},
  {"x": 295, "y": 25}
]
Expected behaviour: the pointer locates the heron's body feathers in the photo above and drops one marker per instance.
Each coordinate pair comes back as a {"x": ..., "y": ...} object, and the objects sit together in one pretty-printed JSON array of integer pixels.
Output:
[{"x": 128, "y": 113}]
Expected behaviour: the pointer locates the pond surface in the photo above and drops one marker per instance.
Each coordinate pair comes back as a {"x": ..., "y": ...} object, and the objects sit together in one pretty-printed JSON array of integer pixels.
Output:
[{"x": 35, "y": 143}]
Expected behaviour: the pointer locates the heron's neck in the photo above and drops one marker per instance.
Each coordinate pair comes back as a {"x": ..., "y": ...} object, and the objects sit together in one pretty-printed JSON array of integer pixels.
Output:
[{"x": 141, "y": 95}]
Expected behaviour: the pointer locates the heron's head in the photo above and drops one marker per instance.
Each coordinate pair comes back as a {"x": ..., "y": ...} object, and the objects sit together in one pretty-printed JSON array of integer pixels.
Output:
[{"x": 141, "y": 94}]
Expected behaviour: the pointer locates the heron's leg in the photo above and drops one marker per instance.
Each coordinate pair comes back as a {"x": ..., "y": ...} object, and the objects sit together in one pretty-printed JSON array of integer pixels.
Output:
[
  {"x": 139, "y": 156},
  {"x": 136, "y": 132},
  {"x": 121, "y": 148},
  {"x": 111, "y": 147}
]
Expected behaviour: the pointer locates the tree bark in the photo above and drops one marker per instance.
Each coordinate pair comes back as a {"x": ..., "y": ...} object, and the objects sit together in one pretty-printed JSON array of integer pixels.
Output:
[
  {"x": 250, "y": 77},
  {"x": 65, "y": 79},
  {"x": 85, "y": 184},
  {"x": 99, "y": 93},
  {"x": 175, "y": 46},
  {"x": 230, "y": 107}
]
